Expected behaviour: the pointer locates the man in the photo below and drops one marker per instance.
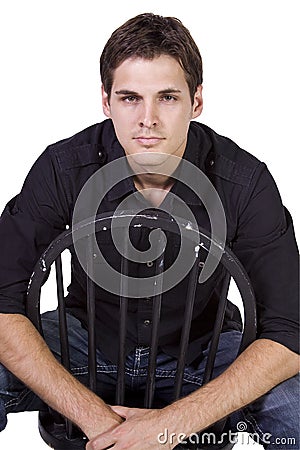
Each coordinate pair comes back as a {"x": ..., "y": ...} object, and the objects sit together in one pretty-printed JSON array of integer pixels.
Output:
[{"x": 151, "y": 72}]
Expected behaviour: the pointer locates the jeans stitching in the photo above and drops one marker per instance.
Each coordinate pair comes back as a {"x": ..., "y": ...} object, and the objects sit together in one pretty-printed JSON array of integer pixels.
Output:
[
  {"x": 84, "y": 369},
  {"x": 253, "y": 424},
  {"x": 135, "y": 372},
  {"x": 17, "y": 400}
]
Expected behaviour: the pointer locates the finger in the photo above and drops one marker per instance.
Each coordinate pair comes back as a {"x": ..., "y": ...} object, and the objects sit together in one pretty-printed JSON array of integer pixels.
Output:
[
  {"x": 101, "y": 442},
  {"x": 121, "y": 410}
]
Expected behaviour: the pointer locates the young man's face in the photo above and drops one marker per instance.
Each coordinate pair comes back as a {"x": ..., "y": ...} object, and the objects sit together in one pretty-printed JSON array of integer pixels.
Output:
[{"x": 150, "y": 106}]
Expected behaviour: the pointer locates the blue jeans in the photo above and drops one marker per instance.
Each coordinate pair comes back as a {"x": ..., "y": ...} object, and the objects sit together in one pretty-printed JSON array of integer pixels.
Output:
[{"x": 273, "y": 420}]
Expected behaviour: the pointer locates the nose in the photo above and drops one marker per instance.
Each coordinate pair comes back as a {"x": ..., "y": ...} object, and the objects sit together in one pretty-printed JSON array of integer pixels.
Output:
[{"x": 148, "y": 117}]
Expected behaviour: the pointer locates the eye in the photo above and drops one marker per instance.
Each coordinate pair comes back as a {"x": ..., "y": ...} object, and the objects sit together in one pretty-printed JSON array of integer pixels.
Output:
[
  {"x": 168, "y": 98},
  {"x": 130, "y": 99}
]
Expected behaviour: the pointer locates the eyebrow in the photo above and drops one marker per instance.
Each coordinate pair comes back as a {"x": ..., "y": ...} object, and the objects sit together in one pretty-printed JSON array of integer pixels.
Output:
[
  {"x": 163, "y": 91},
  {"x": 170, "y": 91}
]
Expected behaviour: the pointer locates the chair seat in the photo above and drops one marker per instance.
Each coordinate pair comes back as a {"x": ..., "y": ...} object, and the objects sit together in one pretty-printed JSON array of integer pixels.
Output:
[{"x": 53, "y": 433}]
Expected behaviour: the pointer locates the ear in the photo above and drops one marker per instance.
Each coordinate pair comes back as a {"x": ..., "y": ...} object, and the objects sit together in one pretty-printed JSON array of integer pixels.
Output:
[
  {"x": 198, "y": 102},
  {"x": 105, "y": 102}
]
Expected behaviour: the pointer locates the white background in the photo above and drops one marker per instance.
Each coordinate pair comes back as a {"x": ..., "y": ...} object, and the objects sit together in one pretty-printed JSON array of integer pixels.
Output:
[{"x": 50, "y": 89}]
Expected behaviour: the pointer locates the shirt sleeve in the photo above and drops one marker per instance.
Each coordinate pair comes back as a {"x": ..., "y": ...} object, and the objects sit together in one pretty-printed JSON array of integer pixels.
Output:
[
  {"x": 265, "y": 244},
  {"x": 29, "y": 222}
]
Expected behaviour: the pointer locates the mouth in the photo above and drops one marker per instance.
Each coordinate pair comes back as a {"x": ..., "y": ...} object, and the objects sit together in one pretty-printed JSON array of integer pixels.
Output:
[{"x": 148, "y": 140}]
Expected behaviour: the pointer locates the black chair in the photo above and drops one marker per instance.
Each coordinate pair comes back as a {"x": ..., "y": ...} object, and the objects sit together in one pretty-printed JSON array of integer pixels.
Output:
[{"x": 58, "y": 432}]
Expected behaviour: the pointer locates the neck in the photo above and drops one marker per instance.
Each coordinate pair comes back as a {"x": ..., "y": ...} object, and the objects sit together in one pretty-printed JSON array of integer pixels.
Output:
[
  {"x": 155, "y": 181},
  {"x": 152, "y": 174},
  {"x": 155, "y": 188}
]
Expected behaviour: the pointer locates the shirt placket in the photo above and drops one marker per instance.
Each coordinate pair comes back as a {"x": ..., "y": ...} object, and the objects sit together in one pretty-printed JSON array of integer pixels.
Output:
[{"x": 144, "y": 304}]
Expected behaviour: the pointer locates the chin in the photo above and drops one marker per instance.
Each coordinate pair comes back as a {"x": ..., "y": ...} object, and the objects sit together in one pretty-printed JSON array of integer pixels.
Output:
[{"x": 149, "y": 158}]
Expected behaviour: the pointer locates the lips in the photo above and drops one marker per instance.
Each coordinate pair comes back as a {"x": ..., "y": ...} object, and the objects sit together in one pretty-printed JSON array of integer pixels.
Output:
[{"x": 148, "y": 140}]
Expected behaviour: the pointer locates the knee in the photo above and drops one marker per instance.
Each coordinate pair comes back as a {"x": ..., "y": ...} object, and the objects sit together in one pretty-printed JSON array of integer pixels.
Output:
[
  {"x": 3, "y": 418},
  {"x": 277, "y": 413},
  {"x": 10, "y": 386},
  {"x": 5, "y": 380}
]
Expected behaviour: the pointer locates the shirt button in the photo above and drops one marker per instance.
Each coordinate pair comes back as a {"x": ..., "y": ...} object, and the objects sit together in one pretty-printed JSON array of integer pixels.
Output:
[
  {"x": 149, "y": 263},
  {"x": 147, "y": 322},
  {"x": 211, "y": 162},
  {"x": 100, "y": 154}
]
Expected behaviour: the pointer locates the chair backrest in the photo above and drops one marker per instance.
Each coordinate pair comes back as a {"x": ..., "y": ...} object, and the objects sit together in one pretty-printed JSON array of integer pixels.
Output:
[{"x": 83, "y": 236}]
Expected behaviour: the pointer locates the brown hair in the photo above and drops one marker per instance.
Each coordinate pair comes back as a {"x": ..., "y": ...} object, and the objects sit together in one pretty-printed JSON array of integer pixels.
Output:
[{"x": 149, "y": 36}]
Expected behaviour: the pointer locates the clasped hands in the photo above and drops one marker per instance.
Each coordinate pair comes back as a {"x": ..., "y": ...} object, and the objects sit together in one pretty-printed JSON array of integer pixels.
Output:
[{"x": 139, "y": 430}]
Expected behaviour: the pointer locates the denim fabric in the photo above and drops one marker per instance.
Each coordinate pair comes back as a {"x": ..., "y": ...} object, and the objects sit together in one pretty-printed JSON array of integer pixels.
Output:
[
  {"x": 274, "y": 418},
  {"x": 3, "y": 419}
]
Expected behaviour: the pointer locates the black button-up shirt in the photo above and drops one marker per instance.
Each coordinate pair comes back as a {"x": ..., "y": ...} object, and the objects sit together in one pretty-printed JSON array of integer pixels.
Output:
[{"x": 259, "y": 230}]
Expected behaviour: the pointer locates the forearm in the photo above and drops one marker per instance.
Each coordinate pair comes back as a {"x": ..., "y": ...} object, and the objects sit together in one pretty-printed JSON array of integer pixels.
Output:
[
  {"x": 27, "y": 356},
  {"x": 263, "y": 365}
]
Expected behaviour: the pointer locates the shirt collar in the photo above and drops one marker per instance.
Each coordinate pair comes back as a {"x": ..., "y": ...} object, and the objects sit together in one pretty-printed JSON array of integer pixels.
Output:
[
  {"x": 125, "y": 186},
  {"x": 197, "y": 149}
]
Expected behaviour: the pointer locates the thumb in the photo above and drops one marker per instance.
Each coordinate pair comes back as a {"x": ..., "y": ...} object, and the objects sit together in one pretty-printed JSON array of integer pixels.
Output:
[{"x": 122, "y": 411}]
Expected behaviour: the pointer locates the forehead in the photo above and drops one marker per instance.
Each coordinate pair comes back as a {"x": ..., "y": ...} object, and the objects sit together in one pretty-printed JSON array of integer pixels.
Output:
[{"x": 141, "y": 72}]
